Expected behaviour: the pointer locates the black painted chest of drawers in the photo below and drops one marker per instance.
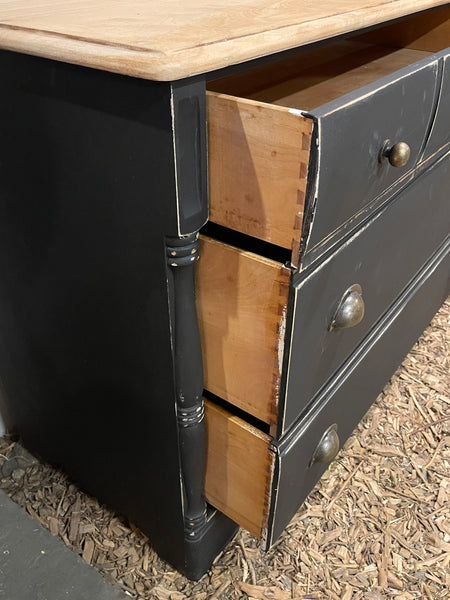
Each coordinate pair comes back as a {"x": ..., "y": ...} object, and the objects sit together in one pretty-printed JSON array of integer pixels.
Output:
[{"x": 326, "y": 255}]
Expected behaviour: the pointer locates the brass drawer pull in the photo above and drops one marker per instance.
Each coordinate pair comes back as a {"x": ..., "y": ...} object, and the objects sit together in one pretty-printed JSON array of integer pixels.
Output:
[
  {"x": 397, "y": 154},
  {"x": 327, "y": 448},
  {"x": 350, "y": 310}
]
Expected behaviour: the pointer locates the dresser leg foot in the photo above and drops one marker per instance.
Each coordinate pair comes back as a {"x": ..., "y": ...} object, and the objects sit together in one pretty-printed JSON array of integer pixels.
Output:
[{"x": 201, "y": 551}]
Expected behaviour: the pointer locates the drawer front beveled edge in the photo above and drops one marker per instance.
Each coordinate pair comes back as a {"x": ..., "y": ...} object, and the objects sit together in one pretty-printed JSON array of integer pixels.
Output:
[{"x": 440, "y": 130}]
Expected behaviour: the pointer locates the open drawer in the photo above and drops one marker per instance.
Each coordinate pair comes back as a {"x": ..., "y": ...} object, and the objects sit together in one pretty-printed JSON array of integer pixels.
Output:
[
  {"x": 260, "y": 482},
  {"x": 268, "y": 338},
  {"x": 320, "y": 135}
]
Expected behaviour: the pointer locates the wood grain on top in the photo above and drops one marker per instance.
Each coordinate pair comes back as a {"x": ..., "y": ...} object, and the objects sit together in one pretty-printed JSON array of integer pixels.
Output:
[{"x": 170, "y": 39}]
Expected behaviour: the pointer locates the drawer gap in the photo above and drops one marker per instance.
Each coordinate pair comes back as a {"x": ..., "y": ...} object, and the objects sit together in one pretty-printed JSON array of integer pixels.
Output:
[
  {"x": 237, "y": 412},
  {"x": 247, "y": 243}
]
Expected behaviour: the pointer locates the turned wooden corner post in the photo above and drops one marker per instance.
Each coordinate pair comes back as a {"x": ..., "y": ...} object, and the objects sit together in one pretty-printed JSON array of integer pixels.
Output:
[
  {"x": 182, "y": 254},
  {"x": 206, "y": 530}
]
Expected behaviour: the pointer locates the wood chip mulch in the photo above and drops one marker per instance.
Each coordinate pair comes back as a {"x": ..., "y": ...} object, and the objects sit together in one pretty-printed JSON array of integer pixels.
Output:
[{"x": 376, "y": 527}]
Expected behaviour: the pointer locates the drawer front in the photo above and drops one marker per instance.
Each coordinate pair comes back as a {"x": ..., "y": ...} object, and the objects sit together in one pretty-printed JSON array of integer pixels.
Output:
[
  {"x": 382, "y": 258},
  {"x": 351, "y": 133},
  {"x": 440, "y": 132},
  {"x": 350, "y": 394}
]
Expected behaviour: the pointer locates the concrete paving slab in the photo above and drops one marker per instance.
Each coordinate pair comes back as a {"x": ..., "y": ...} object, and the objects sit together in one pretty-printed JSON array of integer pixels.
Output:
[{"x": 34, "y": 565}]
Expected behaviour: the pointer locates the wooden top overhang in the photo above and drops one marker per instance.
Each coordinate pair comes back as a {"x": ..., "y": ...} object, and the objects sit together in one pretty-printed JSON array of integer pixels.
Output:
[{"x": 170, "y": 39}]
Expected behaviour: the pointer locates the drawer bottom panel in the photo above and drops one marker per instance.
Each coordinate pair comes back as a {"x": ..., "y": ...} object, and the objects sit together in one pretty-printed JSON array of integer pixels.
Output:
[{"x": 345, "y": 400}]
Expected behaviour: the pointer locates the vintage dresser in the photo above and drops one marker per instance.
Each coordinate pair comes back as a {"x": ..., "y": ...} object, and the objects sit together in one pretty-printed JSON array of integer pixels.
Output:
[{"x": 310, "y": 145}]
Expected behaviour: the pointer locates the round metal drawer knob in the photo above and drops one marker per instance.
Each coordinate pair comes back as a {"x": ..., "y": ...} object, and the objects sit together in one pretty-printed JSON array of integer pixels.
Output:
[
  {"x": 350, "y": 310},
  {"x": 398, "y": 154},
  {"x": 327, "y": 448}
]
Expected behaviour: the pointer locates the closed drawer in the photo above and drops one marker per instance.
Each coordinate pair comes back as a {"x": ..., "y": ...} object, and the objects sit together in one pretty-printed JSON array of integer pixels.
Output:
[
  {"x": 381, "y": 258},
  {"x": 260, "y": 482},
  {"x": 303, "y": 141}
]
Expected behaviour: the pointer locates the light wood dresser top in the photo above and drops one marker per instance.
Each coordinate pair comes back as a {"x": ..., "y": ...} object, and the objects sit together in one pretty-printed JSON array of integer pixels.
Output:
[{"x": 170, "y": 39}]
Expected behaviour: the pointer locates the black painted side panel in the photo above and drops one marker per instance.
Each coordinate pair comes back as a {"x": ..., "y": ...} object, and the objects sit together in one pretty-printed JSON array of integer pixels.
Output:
[
  {"x": 87, "y": 193},
  {"x": 351, "y": 133},
  {"x": 382, "y": 257},
  {"x": 345, "y": 400}
]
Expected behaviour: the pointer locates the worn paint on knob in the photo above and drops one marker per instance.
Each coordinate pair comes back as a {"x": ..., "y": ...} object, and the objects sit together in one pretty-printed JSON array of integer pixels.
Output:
[
  {"x": 397, "y": 154},
  {"x": 327, "y": 448},
  {"x": 350, "y": 310}
]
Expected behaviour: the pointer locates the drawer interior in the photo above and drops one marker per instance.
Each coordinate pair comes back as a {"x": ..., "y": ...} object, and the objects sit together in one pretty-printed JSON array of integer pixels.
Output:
[
  {"x": 260, "y": 134},
  {"x": 242, "y": 302},
  {"x": 313, "y": 78},
  {"x": 317, "y": 76},
  {"x": 258, "y": 168}
]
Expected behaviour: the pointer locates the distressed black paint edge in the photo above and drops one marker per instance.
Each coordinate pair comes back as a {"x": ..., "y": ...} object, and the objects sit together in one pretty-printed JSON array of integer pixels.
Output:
[
  {"x": 311, "y": 188},
  {"x": 290, "y": 319},
  {"x": 190, "y": 140}
]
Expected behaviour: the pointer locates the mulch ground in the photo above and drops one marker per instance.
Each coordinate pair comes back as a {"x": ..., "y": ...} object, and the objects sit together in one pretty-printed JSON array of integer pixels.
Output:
[{"x": 376, "y": 527}]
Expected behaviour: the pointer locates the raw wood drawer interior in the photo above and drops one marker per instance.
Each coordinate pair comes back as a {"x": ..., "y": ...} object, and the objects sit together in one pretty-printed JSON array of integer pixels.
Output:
[
  {"x": 320, "y": 76},
  {"x": 260, "y": 140},
  {"x": 239, "y": 469},
  {"x": 242, "y": 306}
]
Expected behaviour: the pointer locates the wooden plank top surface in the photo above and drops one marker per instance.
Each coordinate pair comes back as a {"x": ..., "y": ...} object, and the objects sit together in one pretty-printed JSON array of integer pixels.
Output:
[{"x": 171, "y": 39}]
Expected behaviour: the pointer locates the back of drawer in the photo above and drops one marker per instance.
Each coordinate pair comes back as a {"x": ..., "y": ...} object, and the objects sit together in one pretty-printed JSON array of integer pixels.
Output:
[{"x": 382, "y": 258}]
